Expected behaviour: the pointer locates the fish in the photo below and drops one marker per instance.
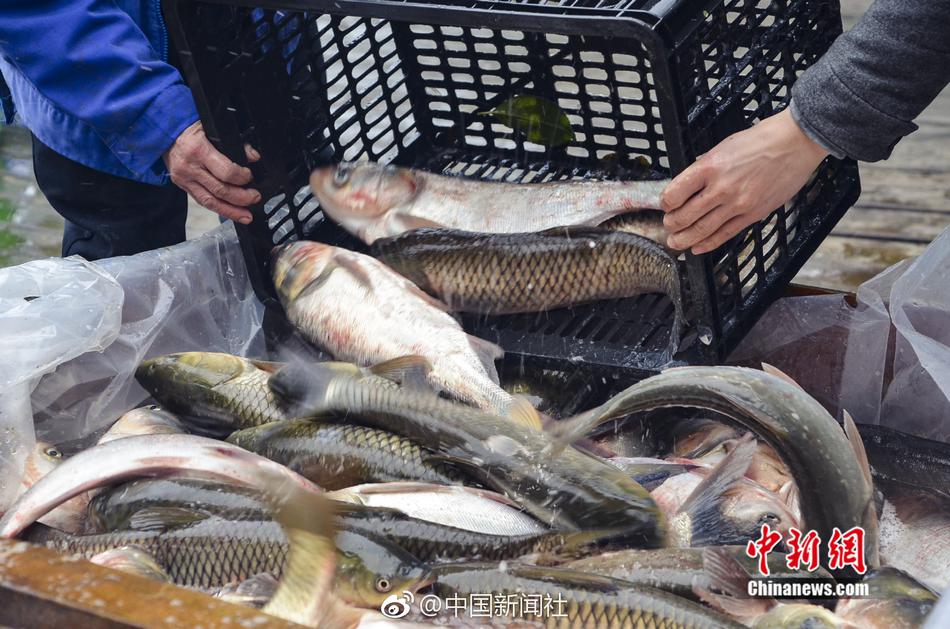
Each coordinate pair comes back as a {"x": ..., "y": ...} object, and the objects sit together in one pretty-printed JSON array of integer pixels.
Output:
[
  {"x": 369, "y": 568},
  {"x": 895, "y": 601},
  {"x": 466, "y": 508},
  {"x": 43, "y": 459},
  {"x": 373, "y": 201},
  {"x": 427, "y": 540},
  {"x": 718, "y": 506},
  {"x": 766, "y": 467},
  {"x": 678, "y": 570},
  {"x": 531, "y": 272},
  {"x": 915, "y": 534},
  {"x": 220, "y": 393},
  {"x": 827, "y": 463},
  {"x": 212, "y": 391},
  {"x": 570, "y": 490},
  {"x": 359, "y": 310},
  {"x": 578, "y": 599},
  {"x": 133, "y": 505},
  {"x": 728, "y": 591},
  {"x": 304, "y": 593},
  {"x": 650, "y": 472},
  {"x": 642, "y": 222},
  {"x": 898, "y": 457},
  {"x": 437, "y": 543},
  {"x": 212, "y": 553},
  {"x": 335, "y": 456},
  {"x": 147, "y": 420}
]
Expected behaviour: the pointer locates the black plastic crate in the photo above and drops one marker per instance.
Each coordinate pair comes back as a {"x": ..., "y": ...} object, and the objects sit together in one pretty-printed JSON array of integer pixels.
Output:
[{"x": 312, "y": 82}]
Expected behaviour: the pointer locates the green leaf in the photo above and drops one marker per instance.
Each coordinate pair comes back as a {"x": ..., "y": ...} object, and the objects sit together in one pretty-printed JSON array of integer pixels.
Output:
[{"x": 540, "y": 120}]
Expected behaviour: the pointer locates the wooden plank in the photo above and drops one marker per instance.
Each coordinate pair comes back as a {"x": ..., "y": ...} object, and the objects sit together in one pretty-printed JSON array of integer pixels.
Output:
[
  {"x": 41, "y": 588},
  {"x": 886, "y": 185},
  {"x": 903, "y": 225},
  {"x": 845, "y": 263}
]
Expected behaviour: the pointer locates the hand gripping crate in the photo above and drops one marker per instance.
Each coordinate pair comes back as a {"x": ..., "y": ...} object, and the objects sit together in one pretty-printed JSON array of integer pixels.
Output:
[{"x": 647, "y": 85}]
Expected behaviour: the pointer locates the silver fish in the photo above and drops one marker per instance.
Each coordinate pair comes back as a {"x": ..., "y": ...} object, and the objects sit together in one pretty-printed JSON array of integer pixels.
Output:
[
  {"x": 361, "y": 311},
  {"x": 461, "y": 507},
  {"x": 375, "y": 201}
]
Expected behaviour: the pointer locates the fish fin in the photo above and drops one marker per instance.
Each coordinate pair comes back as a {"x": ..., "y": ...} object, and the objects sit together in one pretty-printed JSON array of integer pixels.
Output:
[
  {"x": 429, "y": 299},
  {"x": 346, "y": 495},
  {"x": 345, "y": 260},
  {"x": 487, "y": 353},
  {"x": 165, "y": 518},
  {"x": 703, "y": 502},
  {"x": 520, "y": 411},
  {"x": 869, "y": 519},
  {"x": 410, "y": 371},
  {"x": 254, "y": 591},
  {"x": 728, "y": 591},
  {"x": 778, "y": 373},
  {"x": 133, "y": 560},
  {"x": 303, "y": 595},
  {"x": 266, "y": 365},
  {"x": 411, "y": 222}
]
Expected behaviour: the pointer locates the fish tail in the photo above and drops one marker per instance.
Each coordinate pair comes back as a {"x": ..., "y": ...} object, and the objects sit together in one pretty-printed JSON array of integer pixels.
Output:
[
  {"x": 674, "y": 289},
  {"x": 304, "y": 594}
]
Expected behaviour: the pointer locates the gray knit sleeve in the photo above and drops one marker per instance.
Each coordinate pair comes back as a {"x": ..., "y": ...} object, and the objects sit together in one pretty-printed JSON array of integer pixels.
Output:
[{"x": 860, "y": 99}]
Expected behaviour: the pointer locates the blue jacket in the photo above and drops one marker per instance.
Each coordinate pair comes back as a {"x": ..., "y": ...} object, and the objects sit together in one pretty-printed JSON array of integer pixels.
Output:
[{"x": 89, "y": 78}]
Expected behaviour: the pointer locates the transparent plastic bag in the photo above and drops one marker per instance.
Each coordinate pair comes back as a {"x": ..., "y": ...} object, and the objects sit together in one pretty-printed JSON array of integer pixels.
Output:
[
  {"x": 193, "y": 296},
  {"x": 884, "y": 357},
  {"x": 50, "y": 311}
]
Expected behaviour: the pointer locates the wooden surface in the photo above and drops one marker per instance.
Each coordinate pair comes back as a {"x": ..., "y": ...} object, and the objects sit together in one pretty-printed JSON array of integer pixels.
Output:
[
  {"x": 41, "y": 588},
  {"x": 904, "y": 205}
]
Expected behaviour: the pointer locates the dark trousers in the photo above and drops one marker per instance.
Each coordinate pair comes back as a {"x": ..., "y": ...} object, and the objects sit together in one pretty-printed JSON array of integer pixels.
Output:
[{"x": 107, "y": 215}]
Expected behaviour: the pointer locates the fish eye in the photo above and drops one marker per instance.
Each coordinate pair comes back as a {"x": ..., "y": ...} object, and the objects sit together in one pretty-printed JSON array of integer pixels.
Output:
[
  {"x": 53, "y": 453},
  {"x": 383, "y": 584},
  {"x": 341, "y": 175},
  {"x": 153, "y": 407},
  {"x": 769, "y": 518}
]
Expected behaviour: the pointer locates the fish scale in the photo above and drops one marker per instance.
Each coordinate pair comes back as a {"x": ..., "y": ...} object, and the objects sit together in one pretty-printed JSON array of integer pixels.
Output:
[
  {"x": 335, "y": 456},
  {"x": 531, "y": 272},
  {"x": 208, "y": 554},
  {"x": 436, "y": 542},
  {"x": 588, "y": 601}
]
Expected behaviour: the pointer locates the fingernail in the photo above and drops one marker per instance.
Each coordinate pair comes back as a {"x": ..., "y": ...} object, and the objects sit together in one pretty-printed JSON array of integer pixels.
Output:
[
  {"x": 257, "y": 197},
  {"x": 245, "y": 220}
]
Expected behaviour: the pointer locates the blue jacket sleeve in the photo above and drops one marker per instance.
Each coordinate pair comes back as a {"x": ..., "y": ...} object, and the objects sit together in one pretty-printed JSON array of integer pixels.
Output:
[{"x": 93, "y": 62}]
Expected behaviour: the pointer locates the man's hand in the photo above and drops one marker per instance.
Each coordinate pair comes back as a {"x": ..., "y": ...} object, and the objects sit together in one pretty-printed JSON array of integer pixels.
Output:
[
  {"x": 740, "y": 181},
  {"x": 209, "y": 177}
]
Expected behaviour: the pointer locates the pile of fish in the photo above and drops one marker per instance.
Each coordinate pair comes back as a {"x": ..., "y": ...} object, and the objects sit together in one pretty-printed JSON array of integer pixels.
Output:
[
  {"x": 328, "y": 492},
  {"x": 492, "y": 247},
  {"x": 339, "y": 487}
]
